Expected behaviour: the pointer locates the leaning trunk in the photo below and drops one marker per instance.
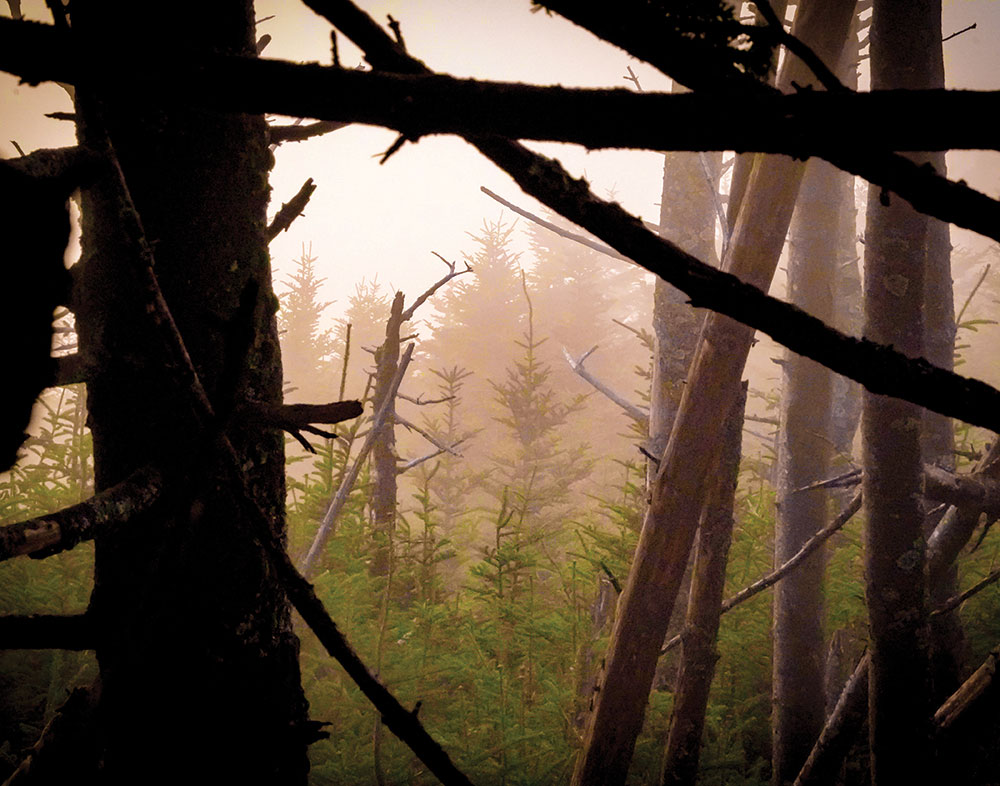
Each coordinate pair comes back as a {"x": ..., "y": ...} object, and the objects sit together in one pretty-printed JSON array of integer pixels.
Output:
[{"x": 713, "y": 385}]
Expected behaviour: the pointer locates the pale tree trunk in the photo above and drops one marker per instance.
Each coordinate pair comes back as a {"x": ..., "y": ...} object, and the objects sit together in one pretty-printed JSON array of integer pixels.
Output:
[
  {"x": 713, "y": 386},
  {"x": 904, "y": 36},
  {"x": 687, "y": 218},
  {"x": 803, "y": 458},
  {"x": 699, "y": 655},
  {"x": 822, "y": 230},
  {"x": 199, "y": 675}
]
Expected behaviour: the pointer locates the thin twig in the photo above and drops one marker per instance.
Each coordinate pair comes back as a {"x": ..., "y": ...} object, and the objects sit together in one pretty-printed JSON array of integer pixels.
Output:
[{"x": 776, "y": 575}]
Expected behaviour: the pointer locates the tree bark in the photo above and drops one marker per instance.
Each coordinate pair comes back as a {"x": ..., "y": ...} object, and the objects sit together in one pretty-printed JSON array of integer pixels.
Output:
[
  {"x": 187, "y": 613},
  {"x": 699, "y": 655},
  {"x": 803, "y": 458},
  {"x": 712, "y": 387},
  {"x": 383, "y": 504},
  {"x": 903, "y": 36}
]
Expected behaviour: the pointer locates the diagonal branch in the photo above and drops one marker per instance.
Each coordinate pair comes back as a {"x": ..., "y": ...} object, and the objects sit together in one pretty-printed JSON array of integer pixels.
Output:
[
  {"x": 290, "y": 210},
  {"x": 640, "y": 417},
  {"x": 340, "y": 498},
  {"x": 783, "y": 570},
  {"x": 62, "y": 530}
]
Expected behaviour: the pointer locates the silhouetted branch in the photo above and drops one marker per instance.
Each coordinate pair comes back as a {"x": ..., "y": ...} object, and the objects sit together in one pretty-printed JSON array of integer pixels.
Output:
[
  {"x": 300, "y": 133},
  {"x": 46, "y": 631},
  {"x": 897, "y": 122},
  {"x": 290, "y": 210},
  {"x": 62, "y": 530},
  {"x": 575, "y": 237},
  {"x": 957, "y": 600}
]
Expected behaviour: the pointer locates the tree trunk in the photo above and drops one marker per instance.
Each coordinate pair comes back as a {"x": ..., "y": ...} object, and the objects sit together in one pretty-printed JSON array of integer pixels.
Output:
[
  {"x": 713, "y": 385},
  {"x": 383, "y": 505},
  {"x": 687, "y": 217},
  {"x": 198, "y": 663},
  {"x": 903, "y": 37},
  {"x": 803, "y": 458},
  {"x": 715, "y": 531}
]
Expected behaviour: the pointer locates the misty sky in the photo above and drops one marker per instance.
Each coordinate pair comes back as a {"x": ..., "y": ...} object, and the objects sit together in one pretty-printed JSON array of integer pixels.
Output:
[{"x": 368, "y": 220}]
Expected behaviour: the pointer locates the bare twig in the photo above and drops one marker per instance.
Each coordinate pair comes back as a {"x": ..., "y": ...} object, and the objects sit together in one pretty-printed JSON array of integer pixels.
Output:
[
  {"x": 959, "y": 32},
  {"x": 630, "y": 409},
  {"x": 418, "y": 461},
  {"x": 426, "y": 435},
  {"x": 957, "y": 600},
  {"x": 452, "y": 273},
  {"x": 779, "y": 573}
]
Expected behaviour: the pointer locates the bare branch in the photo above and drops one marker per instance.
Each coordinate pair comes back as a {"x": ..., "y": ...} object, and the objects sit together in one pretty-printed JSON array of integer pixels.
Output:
[
  {"x": 779, "y": 573},
  {"x": 968, "y": 692},
  {"x": 62, "y": 530},
  {"x": 426, "y": 435},
  {"x": 423, "y": 402},
  {"x": 452, "y": 273},
  {"x": 290, "y": 210},
  {"x": 300, "y": 133},
  {"x": 340, "y": 498},
  {"x": 576, "y": 238},
  {"x": 418, "y": 461},
  {"x": 630, "y": 409}
]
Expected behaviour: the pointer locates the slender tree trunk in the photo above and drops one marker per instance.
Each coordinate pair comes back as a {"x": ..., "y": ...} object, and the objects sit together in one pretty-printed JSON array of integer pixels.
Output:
[
  {"x": 383, "y": 505},
  {"x": 713, "y": 386},
  {"x": 680, "y": 762},
  {"x": 803, "y": 458},
  {"x": 903, "y": 37},
  {"x": 199, "y": 676}
]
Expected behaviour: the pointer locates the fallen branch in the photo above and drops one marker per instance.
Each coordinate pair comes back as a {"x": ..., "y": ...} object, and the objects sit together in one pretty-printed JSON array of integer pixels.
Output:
[
  {"x": 46, "y": 631},
  {"x": 54, "y": 532}
]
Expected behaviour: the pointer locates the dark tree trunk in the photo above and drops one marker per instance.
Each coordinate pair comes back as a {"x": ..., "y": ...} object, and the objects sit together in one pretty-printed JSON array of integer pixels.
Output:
[
  {"x": 199, "y": 676},
  {"x": 383, "y": 504},
  {"x": 903, "y": 36}
]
